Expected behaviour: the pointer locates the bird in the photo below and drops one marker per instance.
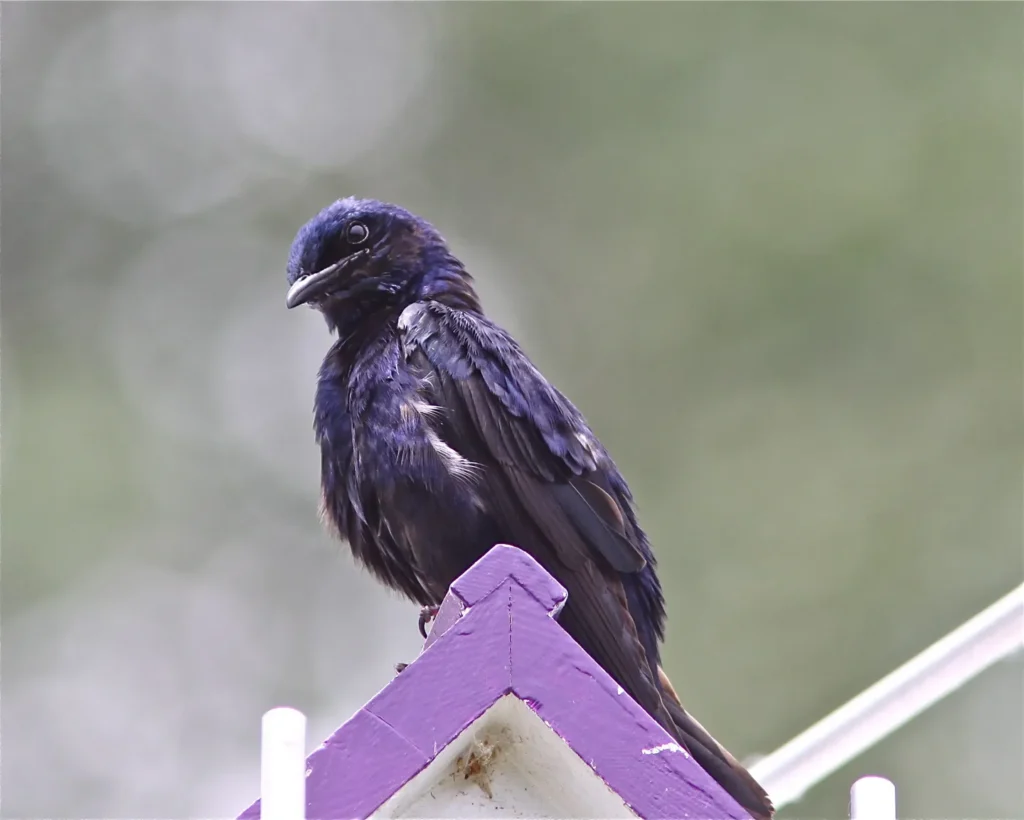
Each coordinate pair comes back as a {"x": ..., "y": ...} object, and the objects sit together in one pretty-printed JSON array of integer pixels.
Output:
[{"x": 440, "y": 438}]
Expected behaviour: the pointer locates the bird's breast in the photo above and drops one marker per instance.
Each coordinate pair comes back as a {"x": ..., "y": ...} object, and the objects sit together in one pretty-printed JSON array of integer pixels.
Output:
[{"x": 398, "y": 430}]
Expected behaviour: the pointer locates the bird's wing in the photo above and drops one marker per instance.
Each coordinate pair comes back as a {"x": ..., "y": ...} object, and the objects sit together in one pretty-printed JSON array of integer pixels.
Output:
[
  {"x": 550, "y": 483},
  {"x": 525, "y": 427},
  {"x": 547, "y": 479}
]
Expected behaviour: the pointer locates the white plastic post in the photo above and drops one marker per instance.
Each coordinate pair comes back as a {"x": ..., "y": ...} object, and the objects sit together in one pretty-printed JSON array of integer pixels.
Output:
[
  {"x": 873, "y": 798},
  {"x": 283, "y": 765}
]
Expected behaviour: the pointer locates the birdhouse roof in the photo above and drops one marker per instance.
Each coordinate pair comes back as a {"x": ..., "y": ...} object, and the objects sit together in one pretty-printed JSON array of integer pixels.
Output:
[{"x": 504, "y": 714}]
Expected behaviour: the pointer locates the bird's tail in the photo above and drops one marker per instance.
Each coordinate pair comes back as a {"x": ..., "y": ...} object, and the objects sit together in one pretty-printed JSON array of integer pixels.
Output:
[{"x": 713, "y": 757}]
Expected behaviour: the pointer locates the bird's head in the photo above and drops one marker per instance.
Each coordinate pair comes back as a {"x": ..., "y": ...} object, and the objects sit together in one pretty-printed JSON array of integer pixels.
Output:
[{"x": 358, "y": 257}]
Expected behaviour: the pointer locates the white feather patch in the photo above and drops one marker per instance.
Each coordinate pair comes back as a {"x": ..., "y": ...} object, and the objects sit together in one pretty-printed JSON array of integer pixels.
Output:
[
  {"x": 459, "y": 467},
  {"x": 410, "y": 316},
  {"x": 417, "y": 408}
]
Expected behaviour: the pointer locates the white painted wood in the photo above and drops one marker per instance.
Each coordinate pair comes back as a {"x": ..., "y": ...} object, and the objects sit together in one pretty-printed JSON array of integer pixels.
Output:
[
  {"x": 879, "y": 710},
  {"x": 283, "y": 765},
  {"x": 508, "y": 763},
  {"x": 873, "y": 798}
]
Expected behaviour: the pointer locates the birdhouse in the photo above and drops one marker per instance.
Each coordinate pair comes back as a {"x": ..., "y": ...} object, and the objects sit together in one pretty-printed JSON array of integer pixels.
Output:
[{"x": 504, "y": 715}]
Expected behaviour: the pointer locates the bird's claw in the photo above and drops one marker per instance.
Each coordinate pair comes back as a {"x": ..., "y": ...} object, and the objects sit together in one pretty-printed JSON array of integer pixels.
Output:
[
  {"x": 427, "y": 614},
  {"x": 401, "y": 667}
]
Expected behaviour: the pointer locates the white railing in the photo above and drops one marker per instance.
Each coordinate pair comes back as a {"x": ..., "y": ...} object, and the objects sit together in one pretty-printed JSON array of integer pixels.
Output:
[
  {"x": 879, "y": 710},
  {"x": 787, "y": 773}
]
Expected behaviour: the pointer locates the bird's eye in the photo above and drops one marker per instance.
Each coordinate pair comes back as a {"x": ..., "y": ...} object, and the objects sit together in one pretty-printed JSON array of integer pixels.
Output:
[{"x": 356, "y": 233}]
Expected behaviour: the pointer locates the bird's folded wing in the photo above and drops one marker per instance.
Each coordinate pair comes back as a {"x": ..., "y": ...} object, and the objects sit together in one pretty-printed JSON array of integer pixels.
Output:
[
  {"x": 545, "y": 478},
  {"x": 500, "y": 407},
  {"x": 551, "y": 484}
]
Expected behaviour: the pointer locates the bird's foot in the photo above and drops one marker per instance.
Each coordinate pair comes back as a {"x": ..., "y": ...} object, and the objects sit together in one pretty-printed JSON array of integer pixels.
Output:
[
  {"x": 427, "y": 614},
  {"x": 400, "y": 667}
]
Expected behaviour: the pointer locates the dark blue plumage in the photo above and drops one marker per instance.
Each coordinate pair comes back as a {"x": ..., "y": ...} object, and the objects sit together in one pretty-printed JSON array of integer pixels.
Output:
[{"x": 439, "y": 438}]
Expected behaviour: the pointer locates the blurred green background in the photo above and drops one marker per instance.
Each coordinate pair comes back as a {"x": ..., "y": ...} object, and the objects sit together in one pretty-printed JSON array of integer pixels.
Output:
[{"x": 772, "y": 251}]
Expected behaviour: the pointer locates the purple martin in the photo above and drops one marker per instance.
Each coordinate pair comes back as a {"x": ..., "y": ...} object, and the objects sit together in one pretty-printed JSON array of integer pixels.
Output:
[{"x": 439, "y": 438}]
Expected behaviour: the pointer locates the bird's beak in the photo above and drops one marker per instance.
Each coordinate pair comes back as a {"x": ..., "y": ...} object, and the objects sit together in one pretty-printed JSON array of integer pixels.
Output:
[{"x": 317, "y": 284}]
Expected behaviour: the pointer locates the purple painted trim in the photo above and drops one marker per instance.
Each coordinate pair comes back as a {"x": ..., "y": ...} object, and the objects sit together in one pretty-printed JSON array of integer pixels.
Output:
[
  {"x": 624, "y": 745},
  {"x": 451, "y": 611},
  {"x": 500, "y": 564},
  {"x": 495, "y": 634}
]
